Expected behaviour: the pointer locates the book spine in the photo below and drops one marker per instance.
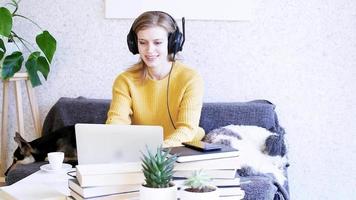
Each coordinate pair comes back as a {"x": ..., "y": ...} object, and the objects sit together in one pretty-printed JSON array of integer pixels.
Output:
[
  {"x": 110, "y": 179},
  {"x": 238, "y": 197},
  {"x": 208, "y": 156},
  {"x": 123, "y": 196},
  {"x": 228, "y": 163},
  {"x": 94, "y": 169},
  {"x": 231, "y": 191},
  {"x": 228, "y": 174},
  {"x": 88, "y": 192}
]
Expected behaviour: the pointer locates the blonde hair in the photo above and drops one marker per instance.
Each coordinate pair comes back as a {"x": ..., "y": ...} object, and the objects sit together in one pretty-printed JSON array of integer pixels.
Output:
[{"x": 151, "y": 19}]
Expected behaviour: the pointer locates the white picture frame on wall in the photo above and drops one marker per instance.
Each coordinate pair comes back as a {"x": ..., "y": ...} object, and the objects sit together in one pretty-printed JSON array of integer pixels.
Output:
[{"x": 227, "y": 10}]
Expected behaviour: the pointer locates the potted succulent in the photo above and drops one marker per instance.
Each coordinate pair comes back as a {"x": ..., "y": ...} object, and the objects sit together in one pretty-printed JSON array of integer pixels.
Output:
[
  {"x": 39, "y": 58},
  {"x": 197, "y": 187},
  {"x": 158, "y": 172}
]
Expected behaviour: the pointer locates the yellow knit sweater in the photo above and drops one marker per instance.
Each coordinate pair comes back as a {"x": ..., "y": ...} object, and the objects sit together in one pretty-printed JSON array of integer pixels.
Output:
[{"x": 145, "y": 103}]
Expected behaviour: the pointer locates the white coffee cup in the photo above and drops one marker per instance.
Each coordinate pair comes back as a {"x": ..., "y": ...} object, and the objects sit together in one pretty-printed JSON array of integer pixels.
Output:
[{"x": 55, "y": 160}]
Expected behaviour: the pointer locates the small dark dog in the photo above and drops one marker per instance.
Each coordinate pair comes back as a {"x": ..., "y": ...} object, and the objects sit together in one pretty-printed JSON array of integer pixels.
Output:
[{"x": 62, "y": 140}]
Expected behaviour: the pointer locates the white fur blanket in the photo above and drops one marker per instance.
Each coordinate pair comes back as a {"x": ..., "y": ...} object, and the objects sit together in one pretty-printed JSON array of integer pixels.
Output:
[{"x": 250, "y": 141}]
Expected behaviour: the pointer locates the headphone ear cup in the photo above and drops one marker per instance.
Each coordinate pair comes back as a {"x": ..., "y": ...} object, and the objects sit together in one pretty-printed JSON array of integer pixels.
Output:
[
  {"x": 175, "y": 42},
  {"x": 179, "y": 39},
  {"x": 132, "y": 42}
]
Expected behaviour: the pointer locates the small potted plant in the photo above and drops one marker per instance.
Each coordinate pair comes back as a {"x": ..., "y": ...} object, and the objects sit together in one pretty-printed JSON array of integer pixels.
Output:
[
  {"x": 197, "y": 187},
  {"x": 158, "y": 172},
  {"x": 15, "y": 51}
]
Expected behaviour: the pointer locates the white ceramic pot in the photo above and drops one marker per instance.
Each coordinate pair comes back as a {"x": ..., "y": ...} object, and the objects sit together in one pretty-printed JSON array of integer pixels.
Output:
[
  {"x": 147, "y": 193},
  {"x": 186, "y": 195}
]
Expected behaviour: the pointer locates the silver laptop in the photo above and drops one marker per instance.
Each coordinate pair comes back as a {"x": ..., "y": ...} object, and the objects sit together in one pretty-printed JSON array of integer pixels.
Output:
[{"x": 102, "y": 143}]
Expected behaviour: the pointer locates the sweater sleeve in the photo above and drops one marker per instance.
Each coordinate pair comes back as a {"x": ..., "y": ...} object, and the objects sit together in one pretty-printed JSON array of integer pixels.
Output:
[
  {"x": 120, "y": 107},
  {"x": 187, "y": 124}
]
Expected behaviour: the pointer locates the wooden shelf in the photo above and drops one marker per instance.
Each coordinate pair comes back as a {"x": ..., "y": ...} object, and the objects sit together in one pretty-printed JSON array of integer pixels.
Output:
[{"x": 16, "y": 79}]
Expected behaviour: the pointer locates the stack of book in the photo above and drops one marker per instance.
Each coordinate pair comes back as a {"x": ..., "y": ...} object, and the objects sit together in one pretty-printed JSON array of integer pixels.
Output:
[
  {"x": 220, "y": 166},
  {"x": 107, "y": 181},
  {"x": 122, "y": 181}
]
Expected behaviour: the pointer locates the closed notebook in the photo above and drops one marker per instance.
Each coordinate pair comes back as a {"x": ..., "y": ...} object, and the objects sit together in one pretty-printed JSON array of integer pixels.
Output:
[
  {"x": 87, "y": 192},
  {"x": 186, "y": 154}
]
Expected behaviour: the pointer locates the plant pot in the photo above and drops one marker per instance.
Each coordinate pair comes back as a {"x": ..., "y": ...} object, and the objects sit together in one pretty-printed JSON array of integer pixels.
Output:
[
  {"x": 187, "y": 195},
  {"x": 169, "y": 193}
]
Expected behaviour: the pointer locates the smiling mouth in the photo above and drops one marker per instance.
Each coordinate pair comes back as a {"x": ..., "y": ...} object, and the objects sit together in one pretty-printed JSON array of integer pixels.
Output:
[{"x": 151, "y": 58}]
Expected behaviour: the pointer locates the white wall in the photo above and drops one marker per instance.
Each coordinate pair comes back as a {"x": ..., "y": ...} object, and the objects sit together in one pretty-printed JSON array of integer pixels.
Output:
[{"x": 301, "y": 55}]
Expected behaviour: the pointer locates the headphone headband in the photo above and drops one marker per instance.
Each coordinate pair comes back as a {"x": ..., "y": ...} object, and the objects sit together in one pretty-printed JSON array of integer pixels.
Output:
[{"x": 175, "y": 39}]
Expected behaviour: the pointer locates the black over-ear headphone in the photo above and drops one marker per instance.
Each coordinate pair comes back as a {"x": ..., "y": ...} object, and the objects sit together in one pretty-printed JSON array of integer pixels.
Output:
[{"x": 175, "y": 39}]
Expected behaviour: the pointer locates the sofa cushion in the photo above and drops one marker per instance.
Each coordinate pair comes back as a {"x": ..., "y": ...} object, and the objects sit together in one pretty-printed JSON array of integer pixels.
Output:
[
  {"x": 259, "y": 113},
  {"x": 68, "y": 111},
  {"x": 21, "y": 171}
]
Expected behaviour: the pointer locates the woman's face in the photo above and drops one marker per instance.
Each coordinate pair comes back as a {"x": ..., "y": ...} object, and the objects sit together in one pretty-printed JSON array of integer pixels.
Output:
[{"x": 153, "y": 46}]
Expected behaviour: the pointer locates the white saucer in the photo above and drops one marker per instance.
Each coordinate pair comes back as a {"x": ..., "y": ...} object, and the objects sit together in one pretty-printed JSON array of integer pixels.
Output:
[{"x": 47, "y": 167}]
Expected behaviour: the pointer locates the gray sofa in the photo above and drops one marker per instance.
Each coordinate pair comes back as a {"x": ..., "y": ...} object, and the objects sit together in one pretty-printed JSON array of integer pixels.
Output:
[{"x": 68, "y": 111}]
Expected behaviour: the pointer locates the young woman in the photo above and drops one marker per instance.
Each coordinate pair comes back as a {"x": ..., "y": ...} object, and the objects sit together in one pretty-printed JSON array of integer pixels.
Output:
[{"x": 158, "y": 90}]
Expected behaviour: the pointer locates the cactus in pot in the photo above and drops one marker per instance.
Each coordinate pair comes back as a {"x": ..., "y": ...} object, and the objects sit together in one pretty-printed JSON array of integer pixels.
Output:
[
  {"x": 158, "y": 172},
  {"x": 198, "y": 188}
]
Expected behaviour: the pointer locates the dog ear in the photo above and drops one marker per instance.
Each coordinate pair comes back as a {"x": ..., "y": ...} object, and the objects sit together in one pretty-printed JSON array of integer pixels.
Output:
[{"x": 24, "y": 146}]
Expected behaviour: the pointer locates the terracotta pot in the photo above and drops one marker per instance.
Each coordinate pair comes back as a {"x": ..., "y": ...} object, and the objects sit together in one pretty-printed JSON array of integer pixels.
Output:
[{"x": 169, "y": 193}]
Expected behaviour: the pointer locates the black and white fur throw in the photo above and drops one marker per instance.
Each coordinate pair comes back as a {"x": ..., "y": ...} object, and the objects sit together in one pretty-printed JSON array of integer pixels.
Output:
[{"x": 254, "y": 144}]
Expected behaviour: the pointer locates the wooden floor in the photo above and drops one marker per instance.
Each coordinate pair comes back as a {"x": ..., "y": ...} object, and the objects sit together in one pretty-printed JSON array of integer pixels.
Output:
[{"x": 2, "y": 181}]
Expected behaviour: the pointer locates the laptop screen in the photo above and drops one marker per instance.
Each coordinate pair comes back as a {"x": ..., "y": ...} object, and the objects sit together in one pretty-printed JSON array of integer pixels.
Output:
[{"x": 102, "y": 143}]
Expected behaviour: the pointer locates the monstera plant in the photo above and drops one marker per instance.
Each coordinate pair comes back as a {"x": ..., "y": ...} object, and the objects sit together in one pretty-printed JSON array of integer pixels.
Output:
[{"x": 39, "y": 57}]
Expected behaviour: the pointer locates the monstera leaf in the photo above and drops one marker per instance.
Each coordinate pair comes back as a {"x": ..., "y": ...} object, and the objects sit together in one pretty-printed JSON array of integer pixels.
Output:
[
  {"x": 47, "y": 44},
  {"x": 35, "y": 63},
  {"x": 2, "y": 49},
  {"x": 40, "y": 58},
  {"x": 12, "y": 64},
  {"x": 5, "y": 22}
]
